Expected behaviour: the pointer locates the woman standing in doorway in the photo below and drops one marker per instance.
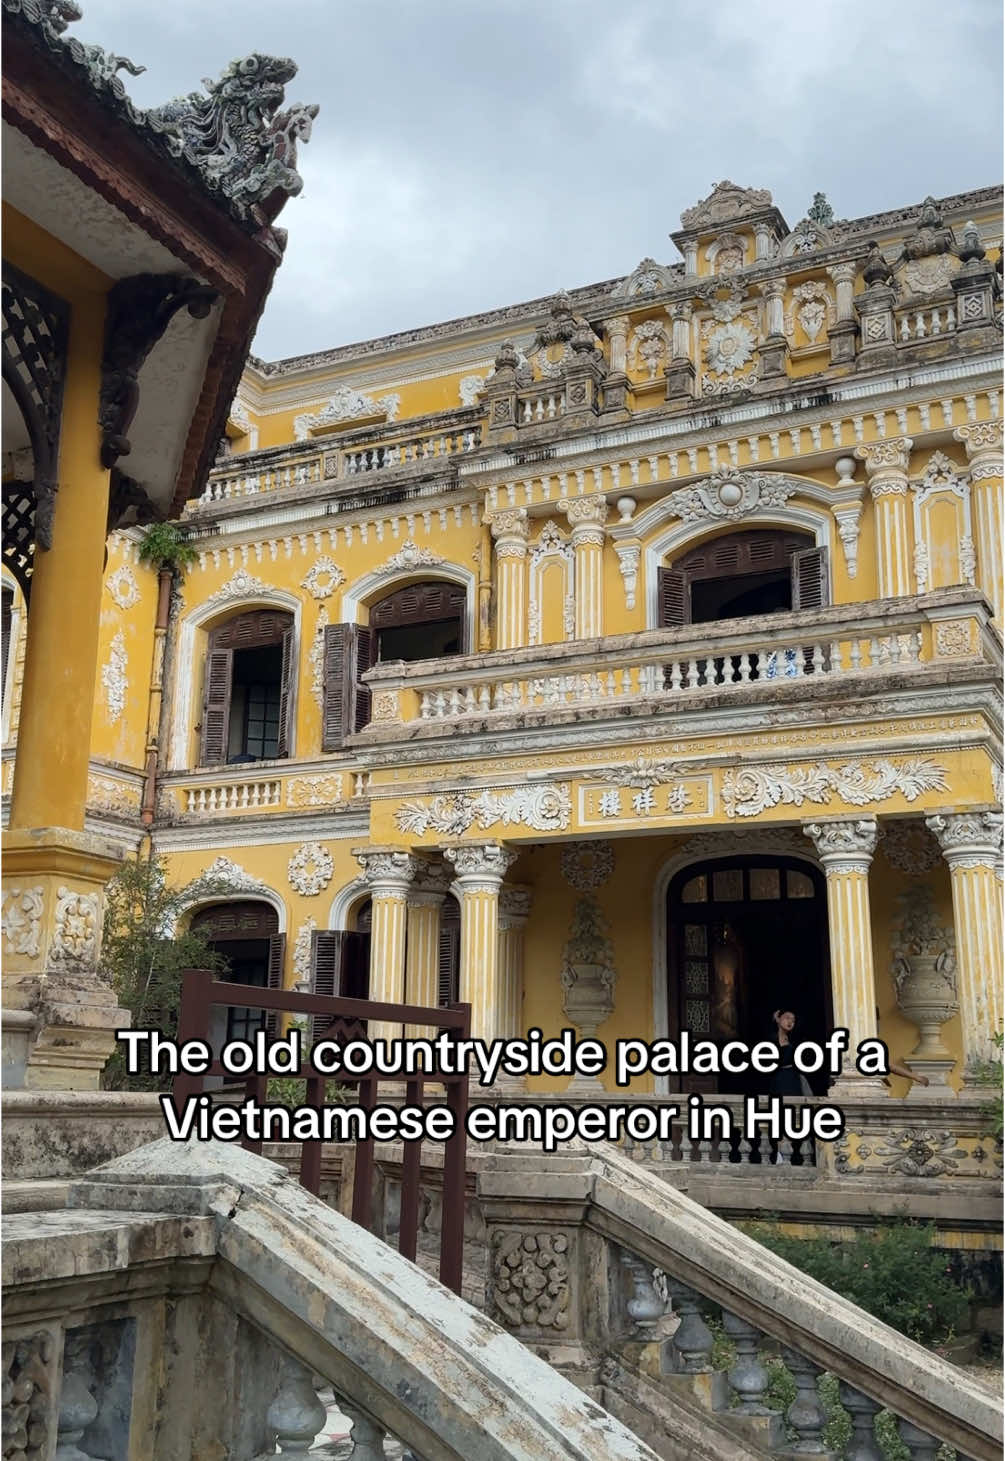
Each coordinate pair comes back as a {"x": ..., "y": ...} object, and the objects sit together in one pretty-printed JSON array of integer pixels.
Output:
[{"x": 787, "y": 1080}]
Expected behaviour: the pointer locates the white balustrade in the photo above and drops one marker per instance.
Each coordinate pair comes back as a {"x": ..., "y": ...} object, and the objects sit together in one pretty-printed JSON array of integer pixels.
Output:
[
  {"x": 416, "y": 449},
  {"x": 233, "y": 796},
  {"x": 238, "y": 479},
  {"x": 544, "y": 407},
  {"x": 921, "y": 324}
]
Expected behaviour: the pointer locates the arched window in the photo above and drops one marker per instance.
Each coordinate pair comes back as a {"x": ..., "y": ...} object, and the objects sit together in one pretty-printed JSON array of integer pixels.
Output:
[
  {"x": 422, "y": 620},
  {"x": 247, "y": 697},
  {"x": 756, "y": 571},
  {"x": 247, "y": 936}
]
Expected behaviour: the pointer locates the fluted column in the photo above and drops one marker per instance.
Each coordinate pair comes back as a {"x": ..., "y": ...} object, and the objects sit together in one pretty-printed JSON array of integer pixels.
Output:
[
  {"x": 480, "y": 869},
  {"x": 422, "y": 944},
  {"x": 616, "y": 329},
  {"x": 845, "y": 327},
  {"x": 587, "y": 516},
  {"x": 971, "y": 843},
  {"x": 514, "y": 910},
  {"x": 983, "y": 441},
  {"x": 845, "y": 849},
  {"x": 509, "y": 529},
  {"x": 389, "y": 873},
  {"x": 886, "y": 465}
]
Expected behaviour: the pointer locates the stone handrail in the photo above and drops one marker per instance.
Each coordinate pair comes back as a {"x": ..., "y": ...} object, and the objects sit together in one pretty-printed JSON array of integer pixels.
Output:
[
  {"x": 662, "y": 665},
  {"x": 398, "y": 1346},
  {"x": 643, "y": 1216}
]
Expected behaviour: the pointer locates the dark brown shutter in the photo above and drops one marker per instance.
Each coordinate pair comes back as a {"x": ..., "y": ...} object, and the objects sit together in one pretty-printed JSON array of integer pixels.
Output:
[
  {"x": 256, "y": 629},
  {"x": 285, "y": 739},
  {"x": 449, "y": 964},
  {"x": 216, "y": 706},
  {"x": 419, "y": 603},
  {"x": 277, "y": 954},
  {"x": 339, "y": 655},
  {"x": 326, "y": 972},
  {"x": 366, "y": 653},
  {"x": 674, "y": 598},
  {"x": 810, "y": 589}
]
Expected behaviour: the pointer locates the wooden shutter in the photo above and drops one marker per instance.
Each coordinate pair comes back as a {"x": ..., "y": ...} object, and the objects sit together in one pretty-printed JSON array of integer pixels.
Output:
[
  {"x": 339, "y": 646},
  {"x": 449, "y": 965},
  {"x": 8, "y": 619},
  {"x": 285, "y": 739},
  {"x": 277, "y": 955},
  {"x": 366, "y": 653},
  {"x": 674, "y": 598},
  {"x": 326, "y": 972},
  {"x": 216, "y": 706},
  {"x": 810, "y": 588}
]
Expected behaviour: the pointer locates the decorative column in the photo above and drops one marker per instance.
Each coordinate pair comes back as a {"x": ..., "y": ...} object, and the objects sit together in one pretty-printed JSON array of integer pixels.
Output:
[
  {"x": 480, "y": 869},
  {"x": 587, "y": 516},
  {"x": 886, "y": 466},
  {"x": 845, "y": 327},
  {"x": 680, "y": 371},
  {"x": 983, "y": 441},
  {"x": 388, "y": 872},
  {"x": 422, "y": 942},
  {"x": 971, "y": 843},
  {"x": 510, "y": 529},
  {"x": 514, "y": 910},
  {"x": 616, "y": 382},
  {"x": 774, "y": 347},
  {"x": 845, "y": 849}
]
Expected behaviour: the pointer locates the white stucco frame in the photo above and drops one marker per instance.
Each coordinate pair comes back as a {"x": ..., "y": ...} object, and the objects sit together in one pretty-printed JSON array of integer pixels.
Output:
[
  {"x": 752, "y": 842},
  {"x": 380, "y": 582},
  {"x": 13, "y": 646},
  {"x": 188, "y": 679},
  {"x": 259, "y": 894},
  {"x": 345, "y": 900}
]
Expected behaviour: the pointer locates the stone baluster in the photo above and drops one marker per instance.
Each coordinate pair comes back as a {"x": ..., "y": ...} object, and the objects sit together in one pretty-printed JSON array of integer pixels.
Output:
[
  {"x": 971, "y": 843},
  {"x": 805, "y": 1415},
  {"x": 983, "y": 441},
  {"x": 480, "y": 869},
  {"x": 863, "y": 1413},
  {"x": 645, "y": 1307},
  {"x": 510, "y": 529},
  {"x": 747, "y": 1375},
  {"x": 845, "y": 327},
  {"x": 921, "y": 1445},
  {"x": 296, "y": 1414},
  {"x": 845, "y": 849},
  {"x": 886, "y": 465},
  {"x": 587, "y": 516},
  {"x": 389, "y": 872},
  {"x": 77, "y": 1406},
  {"x": 692, "y": 1341},
  {"x": 367, "y": 1435}
]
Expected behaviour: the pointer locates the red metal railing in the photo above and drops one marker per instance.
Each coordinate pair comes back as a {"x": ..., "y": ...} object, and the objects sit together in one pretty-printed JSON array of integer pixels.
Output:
[{"x": 201, "y": 993}]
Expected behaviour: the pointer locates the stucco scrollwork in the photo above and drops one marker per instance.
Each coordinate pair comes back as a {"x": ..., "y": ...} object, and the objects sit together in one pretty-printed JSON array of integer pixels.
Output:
[
  {"x": 314, "y": 791},
  {"x": 21, "y": 921},
  {"x": 122, "y": 587},
  {"x": 323, "y": 578},
  {"x": 920, "y": 1152},
  {"x": 727, "y": 496},
  {"x": 229, "y": 876},
  {"x": 587, "y": 866},
  {"x": 316, "y": 659},
  {"x": 76, "y": 927},
  {"x": 650, "y": 347},
  {"x": 470, "y": 388},
  {"x": 345, "y": 405},
  {"x": 242, "y": 585},
  {"x": 310, "y": 869},
  {"x": 409, "y": 556},
  {"x": 544, "y": 808},
  {"x": 302, "y": 946},
  {"x": 811, "y": 306},
  {"x": 910, "y": 847},
  {"x": 747, "y": 792},
  {"x": 530, "y": 1278},
  {"x": 647, "y": 277},
  {"x": 114, "y": 677}
]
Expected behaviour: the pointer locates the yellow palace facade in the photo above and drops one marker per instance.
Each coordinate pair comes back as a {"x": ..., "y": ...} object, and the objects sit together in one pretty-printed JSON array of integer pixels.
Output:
[{"x": 627, "y": 659}]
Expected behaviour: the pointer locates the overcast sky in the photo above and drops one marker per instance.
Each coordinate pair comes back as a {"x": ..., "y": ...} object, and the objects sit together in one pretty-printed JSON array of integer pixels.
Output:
[{"x": 475, "y": 153}]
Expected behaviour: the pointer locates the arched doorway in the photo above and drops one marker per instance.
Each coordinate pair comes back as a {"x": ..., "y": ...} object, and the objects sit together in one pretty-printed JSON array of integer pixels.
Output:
[
  {"x": 746, "y": 936},
  {"x": 247, "y": 936}
]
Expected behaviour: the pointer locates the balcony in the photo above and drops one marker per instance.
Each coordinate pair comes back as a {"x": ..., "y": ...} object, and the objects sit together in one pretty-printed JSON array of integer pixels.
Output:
[{"x": 845, "y": 649}]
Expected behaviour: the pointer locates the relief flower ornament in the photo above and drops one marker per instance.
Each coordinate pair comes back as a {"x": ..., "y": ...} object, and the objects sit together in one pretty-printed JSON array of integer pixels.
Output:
[{"x": 730, "y": 347}]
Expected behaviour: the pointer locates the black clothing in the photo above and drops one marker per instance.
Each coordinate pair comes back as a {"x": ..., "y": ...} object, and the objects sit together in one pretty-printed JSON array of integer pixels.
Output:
[{"x": 787, "y": 1081}]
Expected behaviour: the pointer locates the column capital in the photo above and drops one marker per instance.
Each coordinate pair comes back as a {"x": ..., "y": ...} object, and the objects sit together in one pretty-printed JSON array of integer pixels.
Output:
[
  {"x": 514, "y": 906},
  {"x": 431, "y": 877},
  {"x": 886, "y": 464},
  {"x": 843, "y": 272},
  {"x": 480, "y": 866},
  {"x": 388, "y": 871},
  {"x": 681, "y": 309},
  {"x": 617, "y": 325},
  {"x": 586, "y": 517},
  {"x": 983, "y": 442},
  {"x": 969, "y": 839},
  {"x": 844, "y": 846},
  {"x": 510, "y": 529}
]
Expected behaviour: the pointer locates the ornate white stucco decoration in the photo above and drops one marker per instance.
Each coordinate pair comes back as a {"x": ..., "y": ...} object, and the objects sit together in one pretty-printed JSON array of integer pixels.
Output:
[
  {"x": 544, "y": 808},
  {"x": 650, "y": 347},
  {"x": 586, "y": 866},
  {"x": 724, "y": 203},
  {"x": 728, "y": 347},
  {"x": 316, "y": 659},
  {"x": 323, "y": 578},
  {"x": 114, "y": 678},
  {"x": 470, "y": 388},
  {"x": 310, "y": 869},
  {"x": 941, "y": 476},
  {"x": 928, "y": 276},
  {"x": 123, "y": 588},
  {"x": 647, "y": 277},
  {"x": 588, "y": 975},
  {"x": 739, "y": 842},
  {"x": 909, "y": 847},
  {"x": 107, "y": 795},
  {"x": 728, "y": 495},
  {"x": 315, "y": 791},
  {"x": 243, "y": 585},
  {"x": 725, "y": 255},
  {"x": 345, "y": 405},
  {"x": 410, "y": 556},
  {"x": 76, "y": 928},
  {"x": 302, "y": 946},
  {"x": 229, "y": 876},
  {"x": 550, "y": 543},
  {"x": 240, "y": 415},
  {"x": 849, "y": 521},
  {"x": 746, "y": 793},
  {"x": 21, "y": 920},
  {"x": 812, "y": 305},
  {"x": 628, "y": 561}
]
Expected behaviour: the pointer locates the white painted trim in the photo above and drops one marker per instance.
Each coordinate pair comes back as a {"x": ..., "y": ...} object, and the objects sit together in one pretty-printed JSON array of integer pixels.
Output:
[
  {"x": 733, "y": 844},
  {"x": 187, "y": 685},
  {"x": 16, "y": 616},
  {"x": 379, "y": 583},
  {"x": 244, "y": 895},
  {"x": 345, "y": 899}
]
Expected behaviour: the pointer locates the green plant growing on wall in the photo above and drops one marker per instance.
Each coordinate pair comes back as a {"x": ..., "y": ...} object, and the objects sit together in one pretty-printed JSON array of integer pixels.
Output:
[
  {"x": 989, "y": 1073},
  {"x": 165, "y": 545},
  {"x": 144, "y": 952}
]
